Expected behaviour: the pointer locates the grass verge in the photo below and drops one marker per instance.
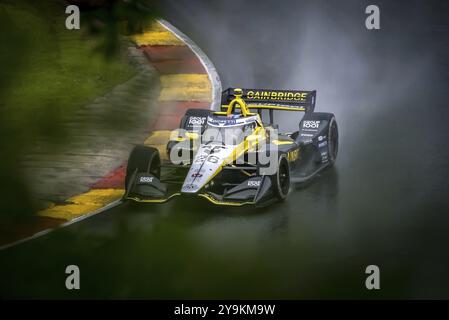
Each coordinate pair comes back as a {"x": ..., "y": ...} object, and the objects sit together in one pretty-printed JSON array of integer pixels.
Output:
[{"x": 48, "y": 72}]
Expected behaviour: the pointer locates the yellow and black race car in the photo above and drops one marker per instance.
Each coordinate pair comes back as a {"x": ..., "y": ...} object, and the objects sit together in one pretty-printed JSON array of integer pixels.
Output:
[{"x": 233, "y": 157}]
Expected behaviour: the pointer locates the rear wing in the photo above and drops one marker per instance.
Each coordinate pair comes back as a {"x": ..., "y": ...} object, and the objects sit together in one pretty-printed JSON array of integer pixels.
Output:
[{"x": 288, "y": 100}]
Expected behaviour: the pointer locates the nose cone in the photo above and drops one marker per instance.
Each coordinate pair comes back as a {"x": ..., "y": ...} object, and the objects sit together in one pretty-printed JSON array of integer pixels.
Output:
[
  {"x": 207, "y": 163},
  {"x": 190, "y": 188}
]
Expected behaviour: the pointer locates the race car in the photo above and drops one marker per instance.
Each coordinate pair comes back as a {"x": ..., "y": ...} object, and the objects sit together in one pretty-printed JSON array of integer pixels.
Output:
[{"x": 237, "y": 156}]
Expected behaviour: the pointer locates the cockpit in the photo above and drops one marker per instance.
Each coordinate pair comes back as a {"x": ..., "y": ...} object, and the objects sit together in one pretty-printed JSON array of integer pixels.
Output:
[{"x": 229, "y": 130}]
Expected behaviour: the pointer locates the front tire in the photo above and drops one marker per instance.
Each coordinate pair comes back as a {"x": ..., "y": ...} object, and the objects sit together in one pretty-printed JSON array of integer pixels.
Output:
[{"x": 142, "y": 159}]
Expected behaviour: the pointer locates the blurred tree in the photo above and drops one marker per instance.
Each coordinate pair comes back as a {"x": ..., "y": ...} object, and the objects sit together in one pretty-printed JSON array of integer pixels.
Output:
[
  {"x": 39, "y": 61},
  {"x": 113, "y": 18}
]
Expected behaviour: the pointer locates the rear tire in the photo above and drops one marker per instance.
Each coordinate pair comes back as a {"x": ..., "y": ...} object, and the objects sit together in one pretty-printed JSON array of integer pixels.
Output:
[
  {"x": 143, "y": 159},
  {"x": 281, "y": 180},
  {"x": 333, "y": 141}
]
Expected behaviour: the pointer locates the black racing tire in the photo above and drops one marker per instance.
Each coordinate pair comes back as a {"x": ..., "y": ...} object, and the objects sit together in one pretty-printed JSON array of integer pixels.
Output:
[
  {"x": 332, "y": 141},
  {"x": 281, "y": 180},
  {"x": 143, "y": 159}
]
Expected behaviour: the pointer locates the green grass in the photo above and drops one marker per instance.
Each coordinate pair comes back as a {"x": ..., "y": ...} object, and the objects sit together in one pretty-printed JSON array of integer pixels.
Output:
[
  {"x": 47, "y": 73},
  {"x": 58, "y": 68}
]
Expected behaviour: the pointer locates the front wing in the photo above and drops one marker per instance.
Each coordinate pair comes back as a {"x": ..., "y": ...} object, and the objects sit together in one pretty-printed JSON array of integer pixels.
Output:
[{"x": 227, "y": 189}]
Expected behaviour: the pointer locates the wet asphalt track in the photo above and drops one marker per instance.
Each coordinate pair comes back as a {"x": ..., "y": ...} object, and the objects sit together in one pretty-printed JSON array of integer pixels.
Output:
[{"x": 385, "y": 202}]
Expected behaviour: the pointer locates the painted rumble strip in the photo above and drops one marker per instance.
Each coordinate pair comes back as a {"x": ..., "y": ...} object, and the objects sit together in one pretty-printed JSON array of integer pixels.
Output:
[
  {"x": 81, "y": 204},
  {"x": 188, "y": 80}
]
